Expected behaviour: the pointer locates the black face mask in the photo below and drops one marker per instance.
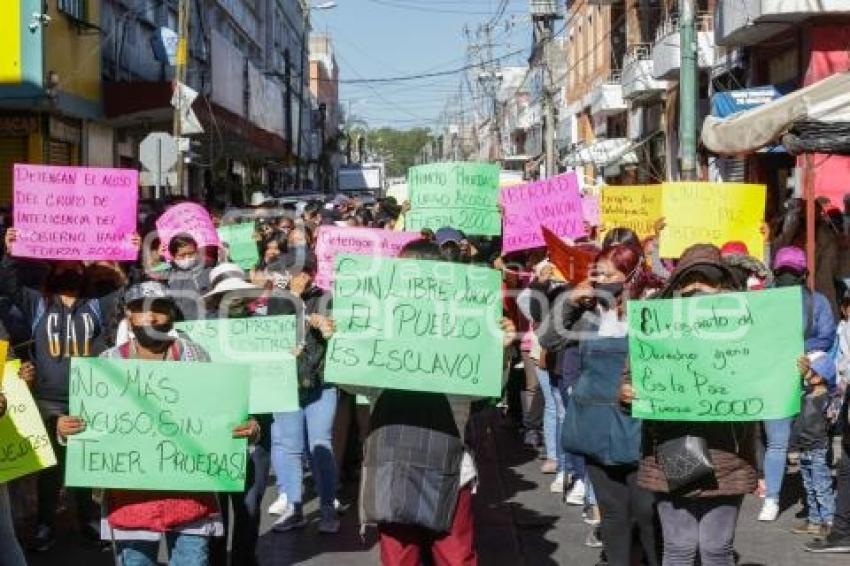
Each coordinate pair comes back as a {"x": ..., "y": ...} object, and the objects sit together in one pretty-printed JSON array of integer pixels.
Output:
[
  {"x": 66, "y": 281},
  {"x": 789, "y": 279},
  {"x": 150, "y": 335},
  {"x": 609, "y": 292}
]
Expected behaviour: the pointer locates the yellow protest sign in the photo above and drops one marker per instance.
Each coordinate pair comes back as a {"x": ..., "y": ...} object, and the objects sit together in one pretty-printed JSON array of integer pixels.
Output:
[
  {"x": 631, "y": 206},
  {"x": 24, "y": 445},
  {"x": 712, "y": 213}
]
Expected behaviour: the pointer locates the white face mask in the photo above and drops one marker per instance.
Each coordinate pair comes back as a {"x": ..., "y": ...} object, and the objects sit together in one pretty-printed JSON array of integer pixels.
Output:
[{"x": 187, "y": 263}]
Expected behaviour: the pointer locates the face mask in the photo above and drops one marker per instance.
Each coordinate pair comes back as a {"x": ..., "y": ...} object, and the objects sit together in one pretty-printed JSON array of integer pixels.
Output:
[
  {"x": 608, "y": 292},
  {"x": 237, "y": 309},
  {"x": 150, "y": 335},
  {"x": 187, "y": 263},
  {"x": 67, "y": 281},
  {"x": 789, "y": 279}
]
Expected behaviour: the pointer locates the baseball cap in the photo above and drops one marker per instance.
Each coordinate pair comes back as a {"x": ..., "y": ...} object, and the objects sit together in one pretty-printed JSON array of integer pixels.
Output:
[
  {"x": 148, "y": 290},
  {"x": 790, "y": 258},
  {"x": 734, "y": 247}
]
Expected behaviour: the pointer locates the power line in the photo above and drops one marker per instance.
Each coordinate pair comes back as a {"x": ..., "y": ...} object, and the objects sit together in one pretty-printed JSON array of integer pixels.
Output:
[
  {"x": 400, "y": 5},
  {"x": 427, "y": 75}
]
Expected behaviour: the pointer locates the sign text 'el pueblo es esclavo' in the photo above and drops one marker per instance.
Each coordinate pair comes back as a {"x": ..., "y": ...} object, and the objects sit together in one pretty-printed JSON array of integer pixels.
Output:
[{"x": 416, "y": 325}]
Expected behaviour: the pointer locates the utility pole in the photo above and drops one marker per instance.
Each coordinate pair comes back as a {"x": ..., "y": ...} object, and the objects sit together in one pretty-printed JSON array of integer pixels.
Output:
[
  {"x": 543, "y": 16},
  {"x": 688, "y": 84},
  {"x": 180, "y": 66}
]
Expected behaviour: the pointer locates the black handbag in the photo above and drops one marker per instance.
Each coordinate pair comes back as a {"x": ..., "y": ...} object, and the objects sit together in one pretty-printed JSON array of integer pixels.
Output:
[{"x": 685, "y": 461}]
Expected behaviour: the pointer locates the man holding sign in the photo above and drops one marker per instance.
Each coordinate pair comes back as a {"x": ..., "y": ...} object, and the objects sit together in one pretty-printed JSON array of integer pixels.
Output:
[{"x": 137, "y": 519}]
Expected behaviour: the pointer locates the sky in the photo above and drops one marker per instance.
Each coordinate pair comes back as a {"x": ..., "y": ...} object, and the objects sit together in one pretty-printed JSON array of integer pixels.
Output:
[{"x": 392, "y": 38}]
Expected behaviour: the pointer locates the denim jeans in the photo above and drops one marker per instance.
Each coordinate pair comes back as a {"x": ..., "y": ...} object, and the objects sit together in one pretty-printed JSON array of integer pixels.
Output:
[
  {"x": 573, "y": 462},
  {"x": 183, "y": 550},
  {"x": 817, "y": 481},
  {"x": 553, "y": 418},
  {"x": 10, "y": 551},
  {"x": 288, "y": 441},
  {"x": 778, "y": 433},
  {"x": 704, "y": 524}
]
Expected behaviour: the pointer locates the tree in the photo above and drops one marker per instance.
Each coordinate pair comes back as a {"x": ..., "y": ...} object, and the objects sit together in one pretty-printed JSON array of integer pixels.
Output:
[{"x": 398, "y": 148}]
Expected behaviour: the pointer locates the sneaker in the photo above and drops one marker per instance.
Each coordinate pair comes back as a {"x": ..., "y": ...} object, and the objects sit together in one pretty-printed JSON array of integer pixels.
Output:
[
  {"x": 807, "y": 528},
  {"x": 279, "y": 505},
  {"x": 829, "y": 545},
  {"x": 43, "y": 539},
  {"x": 557, "y": 485},
  {"x": 549, "y": 467},
  {"x": 769, "y": 511},
  {"x": 289, "y": 519},
  {"x": 592, "y": 539},
  {"x": 329, "y": 523},
  {"x": 591, "y": 515},
  {"x": 339, "y": 507},
  {"x": 576, "y": 494}
]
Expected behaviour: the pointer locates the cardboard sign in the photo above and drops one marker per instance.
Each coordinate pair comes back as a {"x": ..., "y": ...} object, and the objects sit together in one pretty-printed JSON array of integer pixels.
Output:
[
  {"x": 240, "y": 244},
  {"x": 572, "y": 262},
  {"x": 265, "y": 344},
  {"x": 726, "y": 357},
  {"x": 590, "y": 209},
  {"x": 157, "y": 425},
  {"x": 636, "y": 207},
  {"x": 187, "y": 218},
  {"x": 553, "y": 203},
  {"x": 712, "y": 213},
  {"x": 75, "y": 213},
  {"x": 460, "y": 195},
  {"x": 416, "y": 325},
  {"x": 24, "y": 445},
  {"x": 333, "y": 240}
]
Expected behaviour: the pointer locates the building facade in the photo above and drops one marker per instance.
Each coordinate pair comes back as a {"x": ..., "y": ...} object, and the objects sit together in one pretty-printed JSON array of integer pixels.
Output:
[
  {"x": 80, "y": 83},
  {"x": 50, "y": 86},
  {"x": 325, "y": 135}
]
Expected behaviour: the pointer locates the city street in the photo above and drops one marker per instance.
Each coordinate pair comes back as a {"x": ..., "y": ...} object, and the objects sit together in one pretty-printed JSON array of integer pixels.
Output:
[{"x": 518, "y": 522}]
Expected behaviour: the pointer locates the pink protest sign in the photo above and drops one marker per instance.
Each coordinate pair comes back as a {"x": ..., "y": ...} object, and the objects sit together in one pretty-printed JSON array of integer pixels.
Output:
[
  {"x": 590, "y": 209},
  {"x": 554, "y": 203},
  {"x": 187, "y": 218},
  {"x": 358, "y": 241},
  {"x": 75, "y": 213}
]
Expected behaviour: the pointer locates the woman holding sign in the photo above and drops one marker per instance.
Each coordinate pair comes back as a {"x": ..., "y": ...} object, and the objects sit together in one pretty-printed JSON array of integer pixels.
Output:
[
  {"x": 596, "y": 424},
  {"x": 698, "y": 512}
]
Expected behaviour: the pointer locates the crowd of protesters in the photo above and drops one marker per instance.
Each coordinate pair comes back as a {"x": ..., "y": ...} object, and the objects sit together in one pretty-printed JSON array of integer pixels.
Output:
[{"x": 567, "y": 391}]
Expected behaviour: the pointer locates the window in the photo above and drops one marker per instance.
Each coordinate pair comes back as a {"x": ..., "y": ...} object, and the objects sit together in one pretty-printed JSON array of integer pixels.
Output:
[{"x": 73, "y": 8}]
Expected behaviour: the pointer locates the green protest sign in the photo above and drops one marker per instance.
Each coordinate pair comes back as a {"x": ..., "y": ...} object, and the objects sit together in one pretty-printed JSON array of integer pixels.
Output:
[
  {"x": 416, "y": 325},
  {"x": 265, "y": 343},
  {"x": 727, "y": 357},
  {"x": 157, "y": 425},
  {"x": 241, "y": 246},
  {"x": 462, "y": 195}
]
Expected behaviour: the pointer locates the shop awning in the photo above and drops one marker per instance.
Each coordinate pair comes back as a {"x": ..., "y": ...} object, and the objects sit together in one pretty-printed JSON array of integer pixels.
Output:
[
  {"x": 602, "y": 153},
  {"x": 827, "y": 101}
]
